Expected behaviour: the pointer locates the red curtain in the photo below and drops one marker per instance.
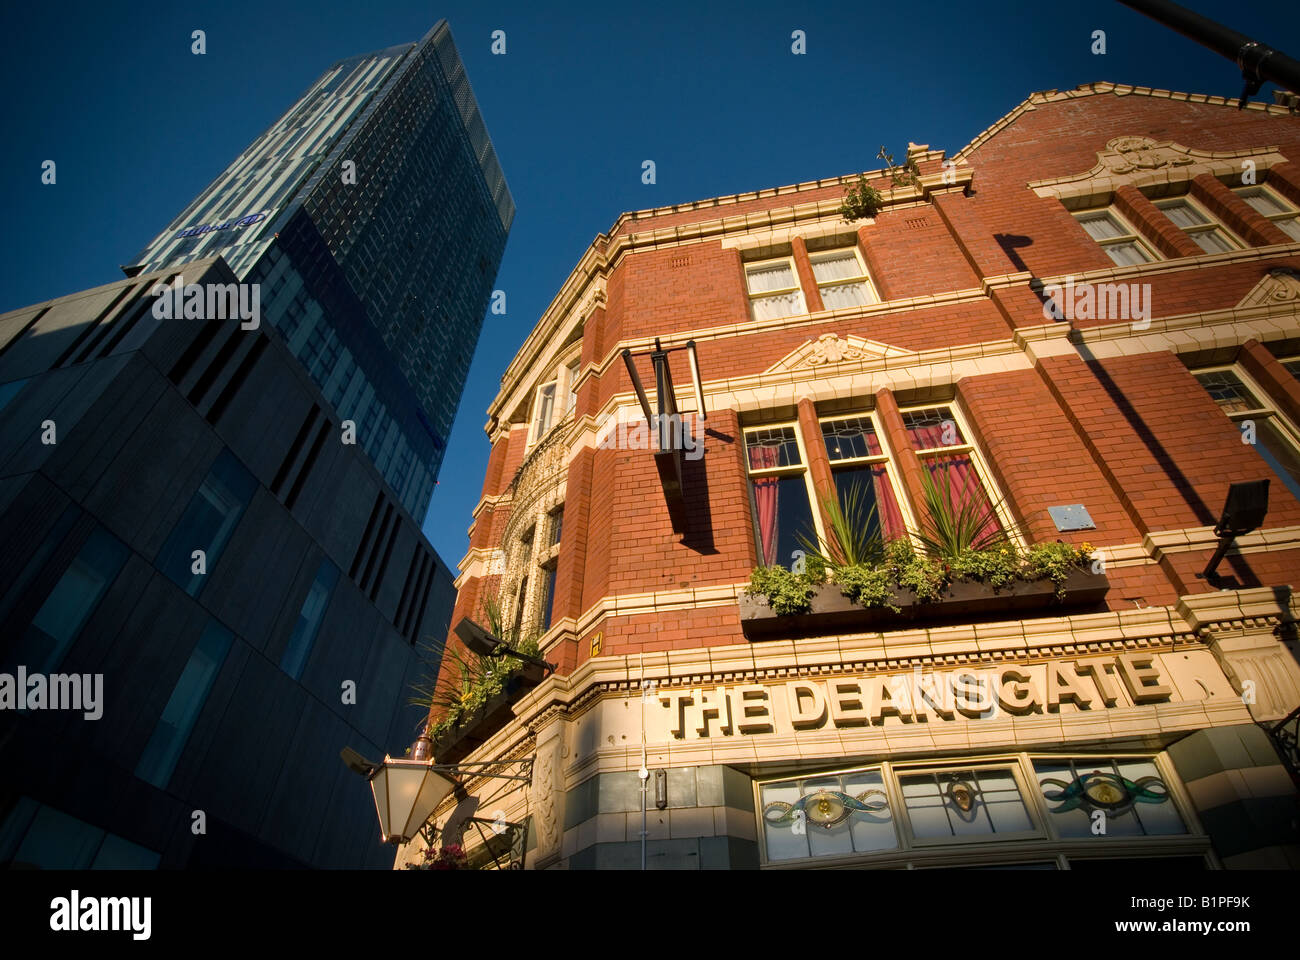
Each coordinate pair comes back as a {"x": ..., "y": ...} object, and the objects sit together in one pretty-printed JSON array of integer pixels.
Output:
[
  {"x": 956, "y": 473},
  {"x": 887, "y": 510},
  {"x": 928, "y": 437},
  {"x": 765, "y": 490}
]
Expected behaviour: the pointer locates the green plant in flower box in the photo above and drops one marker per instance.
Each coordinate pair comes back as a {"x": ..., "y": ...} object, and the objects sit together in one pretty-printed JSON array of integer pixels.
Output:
[
  {"x": 459, "y": 684},
  {"x": 1055, "y": 562}
]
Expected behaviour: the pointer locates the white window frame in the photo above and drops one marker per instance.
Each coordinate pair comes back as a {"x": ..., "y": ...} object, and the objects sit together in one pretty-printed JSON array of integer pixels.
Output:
[
  {"x": 864, "y": 277},
  {"x": 1267, "y": 411},
  {"x": 997, "y": 499},
  {"x": 536, "y": 430},
  {"x": 1212, "y": 223},
  {"x": 886, "y": 456},
  {"x": 1131, "y": 237},
  {"x": 1289, "y": 209},
  {"x": 753, "y": 265},
  {"x": 572, "y": 372},
  {"x": 804, "y": 467}
]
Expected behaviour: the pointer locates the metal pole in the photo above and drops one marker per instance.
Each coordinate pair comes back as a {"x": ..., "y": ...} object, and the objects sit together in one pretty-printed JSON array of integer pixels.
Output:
[
  {"x": 1257, "y": 62},
  {"x": 695, "y": 379},
  {"x": 1213, "y": 565},
  {"x": 644, "y": 772},
  {"x": 636, "y": 385}
]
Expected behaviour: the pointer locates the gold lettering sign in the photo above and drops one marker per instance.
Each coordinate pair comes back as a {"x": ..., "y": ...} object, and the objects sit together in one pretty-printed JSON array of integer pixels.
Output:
[{"x": 1007, "y": 691}]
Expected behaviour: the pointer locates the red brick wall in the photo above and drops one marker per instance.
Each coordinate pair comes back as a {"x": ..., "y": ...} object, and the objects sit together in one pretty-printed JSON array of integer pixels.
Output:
[{"x": 1133, "y": 438}]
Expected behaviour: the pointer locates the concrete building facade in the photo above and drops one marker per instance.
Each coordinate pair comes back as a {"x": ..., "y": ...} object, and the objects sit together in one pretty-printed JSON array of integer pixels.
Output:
[
  {"x": 1088, "y": 316},
  {"x": 227, "y": 687}
]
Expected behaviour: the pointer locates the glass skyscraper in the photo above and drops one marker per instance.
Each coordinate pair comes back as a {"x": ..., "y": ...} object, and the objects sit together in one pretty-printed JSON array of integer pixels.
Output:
[{"x": 374, "y": 215}]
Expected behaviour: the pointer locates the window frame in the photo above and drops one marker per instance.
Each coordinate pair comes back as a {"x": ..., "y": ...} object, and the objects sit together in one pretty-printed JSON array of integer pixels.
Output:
[
  {"x": 1289, "y": 210},
  {"x": 1268, "y": 412},
  {"x": 536, "y": 431},
  {"x": 1290, "y": 359},
  {"x": 1041, "y": 844},
  {"x": 549, "y": 572},
  {"x": 1133, "y": 236},
  {"x": 554, "y": 527},
  {"x": 992, "y": 491},
  {"x": 788, "y": 259},
  {"x": 1038, "y": 826},
  {"x": 1211, "y": 224},
  {"x": 572, "y": 373},
  {"x": 886, "y": 456},
  {"x": 873, "y": 295},
  {"x": 804, "y": 467},
  {"x": 566, "y": 372}
]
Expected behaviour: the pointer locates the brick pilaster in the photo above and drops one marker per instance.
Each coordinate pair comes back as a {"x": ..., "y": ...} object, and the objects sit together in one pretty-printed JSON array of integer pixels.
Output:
[
  {"x": 819, "y": 464},
  {"x": 1268, "y": 372},
  {"x": 906, "y": 461},
  {"x": 1236, "y": 214},
  {"x": 1147, "y": 220},
  {"x": 803, "y": 267}
]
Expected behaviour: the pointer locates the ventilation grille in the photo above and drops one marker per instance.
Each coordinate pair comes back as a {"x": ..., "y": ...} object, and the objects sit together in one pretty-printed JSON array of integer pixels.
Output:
[
  {"x": 375, "y": 548},
  {"x": 415, "y": 594},
  {"x": 295, "y": 467}
]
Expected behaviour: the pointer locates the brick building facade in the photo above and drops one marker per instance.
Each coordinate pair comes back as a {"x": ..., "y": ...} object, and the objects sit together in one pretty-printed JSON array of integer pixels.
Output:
[{"x": 830, "y": 348}]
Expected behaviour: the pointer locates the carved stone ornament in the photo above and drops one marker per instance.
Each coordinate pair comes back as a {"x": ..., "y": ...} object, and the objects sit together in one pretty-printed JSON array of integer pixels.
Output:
[
  {"x": 829, "y": 349},
  {"x": 1127, "y": 154},
  {"x": 542, "y": 798},
  {"x": 1141, "y": 162},
  {"x": 1277, "y": 287}
]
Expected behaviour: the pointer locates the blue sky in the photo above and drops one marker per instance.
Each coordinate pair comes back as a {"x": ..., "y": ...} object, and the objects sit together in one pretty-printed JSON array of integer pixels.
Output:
[{"x": 585, "y": 93}]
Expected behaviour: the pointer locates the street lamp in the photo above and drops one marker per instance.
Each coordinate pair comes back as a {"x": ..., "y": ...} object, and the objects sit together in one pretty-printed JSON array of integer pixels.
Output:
[
  {"x": 406, "y": 794},
  {"x": 408, "y": 791}
]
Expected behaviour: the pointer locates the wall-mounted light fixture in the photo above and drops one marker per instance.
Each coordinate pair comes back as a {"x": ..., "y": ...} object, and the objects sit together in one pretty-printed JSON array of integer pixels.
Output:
[
  {"x": 477, "y": 640},
  {"x": 661, "y": 788},
  {"x": 407, "y": 791},
  {"x": 1243, "y": 512}
]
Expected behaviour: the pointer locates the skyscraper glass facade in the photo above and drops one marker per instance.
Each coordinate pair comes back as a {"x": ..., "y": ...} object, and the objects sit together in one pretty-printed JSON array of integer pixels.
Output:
[{"x": 374, "y": 214}]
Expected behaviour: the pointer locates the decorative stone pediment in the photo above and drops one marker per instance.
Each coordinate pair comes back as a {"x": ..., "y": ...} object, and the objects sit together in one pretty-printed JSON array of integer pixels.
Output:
[
  {"x": 1140, "y": 161},
  {"x": 1127, "y": 154},
  {"x": 828, "y": 351},
  {"x": 1276, "y": 288}
]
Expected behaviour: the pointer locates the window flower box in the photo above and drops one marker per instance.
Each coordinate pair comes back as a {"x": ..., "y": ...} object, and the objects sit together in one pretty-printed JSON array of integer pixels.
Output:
[
  {"x": 475, "y": 729},
  {"x": 963, "y": 601}
]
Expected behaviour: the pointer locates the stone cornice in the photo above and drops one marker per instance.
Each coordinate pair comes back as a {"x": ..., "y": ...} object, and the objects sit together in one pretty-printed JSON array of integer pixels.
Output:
[
  {"x": 1146, "y": 628},
  {"x": 1193, "y": 623}
]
